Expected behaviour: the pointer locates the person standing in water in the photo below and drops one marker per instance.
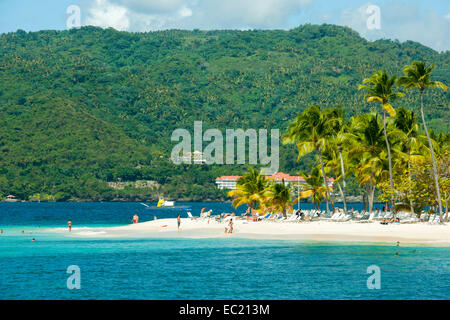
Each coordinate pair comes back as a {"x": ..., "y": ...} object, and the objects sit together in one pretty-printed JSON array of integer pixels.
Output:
[
  {"x": 69, "y": 224},
  {"x": 178, "y": 221},
  {"x": 135, "y": 218}
]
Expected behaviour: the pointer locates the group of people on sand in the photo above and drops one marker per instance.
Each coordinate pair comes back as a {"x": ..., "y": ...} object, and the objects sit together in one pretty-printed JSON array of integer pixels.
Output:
[
  {"x": 387, "y": 221},
  {"x": 228, "y": 228}
]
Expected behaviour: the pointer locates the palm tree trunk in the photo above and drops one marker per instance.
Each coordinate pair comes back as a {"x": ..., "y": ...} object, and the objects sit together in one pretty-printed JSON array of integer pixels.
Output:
[
  {"x": 324, "y": 178},
  {"x": 364, "y": 201},
  {"x": 372, "y": 191},
  {"x": 409, "y": 178},
  {"x": 436, "y": 181},
  {"x": 446, "y": 207},
  {"x": 390, "y": 161},
  {"x": 341, "y": 191},
  {"x": 343, "y": 181}
]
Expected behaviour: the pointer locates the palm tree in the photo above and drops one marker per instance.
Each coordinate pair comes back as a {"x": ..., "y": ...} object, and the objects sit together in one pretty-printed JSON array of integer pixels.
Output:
[
  {"x": 250, "y": 189},
  {"x": 313, "y": 187},
  {"x": 278, "y": 197},
  {"x": 379, "y": 89},
  {"x": 418, "y": 75},
  {"x": 368, "y": 151},
  {"x": 408, "y": 132},
  {"x": 442, "y": 149},
  {"x": 310, "y": 131},
  {"x": 339, "y": 139}
]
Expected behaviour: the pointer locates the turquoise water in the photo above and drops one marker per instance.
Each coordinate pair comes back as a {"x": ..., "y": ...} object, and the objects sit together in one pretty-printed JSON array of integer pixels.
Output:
[{"x": 230, "y": 268}]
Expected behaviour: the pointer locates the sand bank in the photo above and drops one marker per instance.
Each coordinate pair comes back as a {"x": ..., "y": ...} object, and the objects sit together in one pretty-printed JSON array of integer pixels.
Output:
[{"x": 418, "y": 233}]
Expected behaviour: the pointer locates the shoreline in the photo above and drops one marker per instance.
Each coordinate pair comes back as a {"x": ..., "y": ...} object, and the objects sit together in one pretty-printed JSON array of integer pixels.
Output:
[{"x": 420, "y": 234}]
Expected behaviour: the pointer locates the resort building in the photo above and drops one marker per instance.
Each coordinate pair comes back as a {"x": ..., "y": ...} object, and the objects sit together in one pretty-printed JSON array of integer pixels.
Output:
[
  {"x": 229, "y": 182},
  {"x": 11, "y": 198}
]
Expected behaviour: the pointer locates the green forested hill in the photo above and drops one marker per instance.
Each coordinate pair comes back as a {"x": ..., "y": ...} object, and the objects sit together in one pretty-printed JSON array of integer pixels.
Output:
[{"x": 85, "y": 106}]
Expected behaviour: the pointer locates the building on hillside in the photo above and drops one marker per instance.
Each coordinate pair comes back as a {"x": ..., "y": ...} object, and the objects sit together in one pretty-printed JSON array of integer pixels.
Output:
[
  {"x": 10, "y": 198},
  {"x": 229, "y": 182}
]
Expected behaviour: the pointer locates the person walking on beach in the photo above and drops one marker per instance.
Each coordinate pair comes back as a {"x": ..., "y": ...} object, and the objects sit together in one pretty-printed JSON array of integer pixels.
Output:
[
  {"x": 178, "y": 222},
  {"x": 69, "y": 224},
  {"x": 230, "y": 229},
  {"x": 202, "y": 212},
  {"x": 135, "y": 218}
]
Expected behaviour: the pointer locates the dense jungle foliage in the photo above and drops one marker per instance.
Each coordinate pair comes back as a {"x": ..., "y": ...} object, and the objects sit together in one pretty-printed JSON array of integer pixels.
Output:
[{"x": 83, "y": 107}]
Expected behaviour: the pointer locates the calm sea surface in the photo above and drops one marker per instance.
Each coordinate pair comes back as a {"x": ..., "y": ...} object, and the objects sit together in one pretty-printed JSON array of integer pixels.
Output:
[{"x": 229, "y": 268}]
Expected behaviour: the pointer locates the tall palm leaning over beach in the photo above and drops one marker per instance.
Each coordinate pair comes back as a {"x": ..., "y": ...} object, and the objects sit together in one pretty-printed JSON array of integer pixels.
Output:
[
  {"x": 379, "y": 88},
  {"x": 310, "y": 131},
  {"x": 250, "y": 189},
  {"x": 418, "y": 75}
]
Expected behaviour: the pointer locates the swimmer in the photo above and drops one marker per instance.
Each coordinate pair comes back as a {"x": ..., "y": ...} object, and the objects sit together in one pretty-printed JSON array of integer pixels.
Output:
[
  {"x": 396, "y": 254},
  {"x": 69, "y": 224}
]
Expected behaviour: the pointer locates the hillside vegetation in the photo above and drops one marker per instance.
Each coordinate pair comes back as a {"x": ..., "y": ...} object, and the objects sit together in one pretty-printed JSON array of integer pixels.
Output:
[{"x": 82, "y": 107}]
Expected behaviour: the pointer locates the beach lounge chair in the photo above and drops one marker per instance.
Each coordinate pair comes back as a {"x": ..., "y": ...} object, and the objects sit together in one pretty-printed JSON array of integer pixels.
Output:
[
  {"x": 267, "y": 216},
  {"x": 335, "y": 215},
  {"x": 329, "y": 217},
  {"x": 292, "y": 217},
  {"x": 365, "y": 217},
  {"x": 434, "y": 219},
  {"x": 344, "y": 217},
  {"x": 191, "y": 216}
]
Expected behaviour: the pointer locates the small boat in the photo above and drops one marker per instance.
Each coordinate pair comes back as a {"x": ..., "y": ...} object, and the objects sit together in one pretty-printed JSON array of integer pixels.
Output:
[{"x": 165, "y": 205}]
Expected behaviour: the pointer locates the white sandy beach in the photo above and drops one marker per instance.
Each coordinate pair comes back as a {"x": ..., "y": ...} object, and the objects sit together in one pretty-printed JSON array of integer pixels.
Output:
[{"x": 418, "y": 233}]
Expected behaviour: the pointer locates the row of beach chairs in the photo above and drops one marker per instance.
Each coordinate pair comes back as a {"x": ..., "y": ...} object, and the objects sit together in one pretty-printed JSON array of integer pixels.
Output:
[{"x": 340, "y": 216}]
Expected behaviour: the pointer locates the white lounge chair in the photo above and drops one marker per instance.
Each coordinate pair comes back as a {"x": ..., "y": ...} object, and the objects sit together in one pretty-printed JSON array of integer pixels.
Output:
[{"x": 191, "y": 216}]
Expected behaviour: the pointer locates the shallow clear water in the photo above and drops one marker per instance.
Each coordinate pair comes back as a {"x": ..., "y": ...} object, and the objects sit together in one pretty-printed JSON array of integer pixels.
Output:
[{"x": 230, "y": 268}]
